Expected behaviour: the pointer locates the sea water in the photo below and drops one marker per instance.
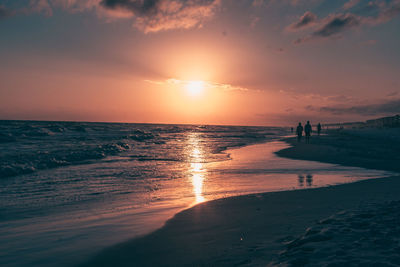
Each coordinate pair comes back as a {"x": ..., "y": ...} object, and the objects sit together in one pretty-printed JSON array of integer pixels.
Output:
[{"x": 70, "y": 189}]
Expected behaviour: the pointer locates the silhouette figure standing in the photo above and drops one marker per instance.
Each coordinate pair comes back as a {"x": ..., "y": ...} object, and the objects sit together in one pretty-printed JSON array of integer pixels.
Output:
[
  {"x": 301, "y": 179},
  {"x": 319, "y": 128},
  {"x": 309, "y": 179},
  {"x": 299, "y": 132},
  {"x": 308, "y": 130}
]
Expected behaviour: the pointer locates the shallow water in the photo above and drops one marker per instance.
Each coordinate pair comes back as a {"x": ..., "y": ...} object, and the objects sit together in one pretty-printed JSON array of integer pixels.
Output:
[{"x": 61, "y": 216}]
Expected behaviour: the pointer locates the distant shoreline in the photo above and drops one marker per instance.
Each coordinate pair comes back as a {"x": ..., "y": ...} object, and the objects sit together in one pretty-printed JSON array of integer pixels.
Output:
[
  {"x": 365, "y": 148},
  {"x": 142, "y": 123}
]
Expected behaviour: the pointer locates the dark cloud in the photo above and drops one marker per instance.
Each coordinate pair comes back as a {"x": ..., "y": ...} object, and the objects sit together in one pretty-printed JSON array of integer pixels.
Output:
[
  {"x": 157, "y": 15},
  {"x": 333, "y": 26},
  {"x": 374, "y": 13},
  {"x": 5, "y": 13},
  {"x": 386, "y": 108},
  {"x": 337, "y": 24},
  {"x": 146, "y": 15},
  {"x": 141, "y": 7},
  {"x": 306, "y": 20}
]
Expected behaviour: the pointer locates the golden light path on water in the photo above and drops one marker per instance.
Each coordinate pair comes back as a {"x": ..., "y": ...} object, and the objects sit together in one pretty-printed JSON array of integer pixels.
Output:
[{"x": 196, "y": 171}]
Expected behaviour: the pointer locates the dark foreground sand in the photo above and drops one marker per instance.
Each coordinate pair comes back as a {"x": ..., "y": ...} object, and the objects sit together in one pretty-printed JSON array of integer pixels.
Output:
[{"x": 351, "y": 224}]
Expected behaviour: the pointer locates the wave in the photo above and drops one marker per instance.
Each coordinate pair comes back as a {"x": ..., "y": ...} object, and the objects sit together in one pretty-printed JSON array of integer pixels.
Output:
[
  {"x": 29, "y": 163},
  {"x": 5, "y": 138},
  {"x": 139, "y": 135},
  {"x": 29, "y": 146}
]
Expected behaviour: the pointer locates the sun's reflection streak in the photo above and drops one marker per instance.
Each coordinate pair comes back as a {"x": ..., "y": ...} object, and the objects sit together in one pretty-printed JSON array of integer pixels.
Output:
[
  {"x": 197, "y": 181},
  {"x": 196, "y": 170}
]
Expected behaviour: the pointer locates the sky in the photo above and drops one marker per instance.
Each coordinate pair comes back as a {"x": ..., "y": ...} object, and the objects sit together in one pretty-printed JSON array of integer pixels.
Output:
[{"x": 231, "y": 62}]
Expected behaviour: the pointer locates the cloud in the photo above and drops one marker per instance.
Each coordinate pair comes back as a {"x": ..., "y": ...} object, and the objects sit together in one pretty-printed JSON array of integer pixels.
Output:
[
  {"x": 41, "y": 6},
  {"x": 387, "y": 13},
  {"x": 47, "y": 7},
  {"x": 147, "y": 15},
  {"x": 207, "y": 84},
  {"x": 394, "y": 93},
  {"x": 5, "y": 12},
  {"x": 305, "y": 21},
  {"x": 336, "y": 24},
  {"x": 160, "y": 15},
  {"x": 339, "y": 98},
  {"x": 350, "y": 4},
  {"x": 137, "y": 7},
  {"x": 332, "y": 26},
  {"x": 258, "y": 3},
  {"x": 385, "y": 108},
  {"x": 311, "y": 97},
  {"x": 76, "y": 5}
]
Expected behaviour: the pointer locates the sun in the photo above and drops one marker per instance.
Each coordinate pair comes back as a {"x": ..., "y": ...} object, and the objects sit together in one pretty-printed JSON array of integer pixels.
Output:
[{"x": 194, "y": 88}]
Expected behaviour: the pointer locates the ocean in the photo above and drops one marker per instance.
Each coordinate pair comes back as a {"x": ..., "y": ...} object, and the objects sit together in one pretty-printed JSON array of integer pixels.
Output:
[
  {"x": 70, "y": 189},
  {"x": 49, "y": 170}
]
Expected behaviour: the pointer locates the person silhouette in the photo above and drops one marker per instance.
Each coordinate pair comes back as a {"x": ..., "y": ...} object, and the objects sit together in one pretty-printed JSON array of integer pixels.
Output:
[
  {"x": 299, "y": 132},
  {"x": 309, "y": 179},
  {"x": 319, "y": 128},
  {"x": 307, "y": 131},
  {"x": 291, "y": 129},
  {"x": 300, "y": 180}
]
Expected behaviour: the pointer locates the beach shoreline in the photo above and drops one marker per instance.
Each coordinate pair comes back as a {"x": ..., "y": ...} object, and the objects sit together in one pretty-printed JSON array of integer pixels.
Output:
[
  {"x": 365, "y": 148},
  {"x": 252, "y": 230}
]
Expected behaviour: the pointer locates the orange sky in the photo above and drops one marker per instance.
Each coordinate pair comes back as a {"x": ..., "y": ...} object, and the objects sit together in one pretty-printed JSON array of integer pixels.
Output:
[{"x": 260, "y": 62}]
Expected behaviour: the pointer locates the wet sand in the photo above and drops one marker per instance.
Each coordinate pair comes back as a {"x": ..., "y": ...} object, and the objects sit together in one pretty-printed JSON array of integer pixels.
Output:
[{"x": 271, "y": 228}]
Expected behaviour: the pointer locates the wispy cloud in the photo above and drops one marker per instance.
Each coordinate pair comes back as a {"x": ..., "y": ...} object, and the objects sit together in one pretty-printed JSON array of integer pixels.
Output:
[
  {"x": 333, "y": 25},
  {"x": 5, "y": 12},
  {"x": 304, "y": 21},
  {"x": 336, "y": 24},
  {"x": 350, "y": 4},
  {"x": 387, "y": 13},
  {"x": 147, "y": 15},
  {"x": 167, "y": 15},
  {"x": 311, "y": 97},
  {"x": 40, "y": 6},
  {"x": 394, "y": 93},
  {"x": 206, "y": 84},
  {"x": 387, "y": 107}
]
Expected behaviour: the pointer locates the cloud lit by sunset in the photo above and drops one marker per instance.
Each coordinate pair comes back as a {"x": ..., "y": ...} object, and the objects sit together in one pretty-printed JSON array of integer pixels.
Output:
[{"x": 276, "y": 60}]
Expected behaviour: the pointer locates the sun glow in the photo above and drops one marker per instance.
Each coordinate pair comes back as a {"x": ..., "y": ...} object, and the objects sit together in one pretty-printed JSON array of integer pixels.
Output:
[{"x": 195, "y": 88}]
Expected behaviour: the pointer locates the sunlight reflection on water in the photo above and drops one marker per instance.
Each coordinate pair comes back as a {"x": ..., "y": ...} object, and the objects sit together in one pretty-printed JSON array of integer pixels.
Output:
[{"x": 197, "y": 171}]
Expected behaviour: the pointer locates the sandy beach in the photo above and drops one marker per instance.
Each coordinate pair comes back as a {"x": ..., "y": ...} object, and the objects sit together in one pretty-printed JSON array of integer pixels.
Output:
[
  {"x": 164, "y": 133},
  {"x": 366, "y": 148},
  {"x": 322, "y": 226}
]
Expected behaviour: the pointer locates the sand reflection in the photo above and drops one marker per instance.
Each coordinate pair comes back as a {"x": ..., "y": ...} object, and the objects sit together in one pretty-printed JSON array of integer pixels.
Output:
[{"x": 197, "y": 170}]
